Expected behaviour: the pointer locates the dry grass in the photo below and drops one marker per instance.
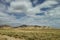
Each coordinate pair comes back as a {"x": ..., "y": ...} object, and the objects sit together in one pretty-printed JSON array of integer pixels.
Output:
[{"x": 31, "y": 33}]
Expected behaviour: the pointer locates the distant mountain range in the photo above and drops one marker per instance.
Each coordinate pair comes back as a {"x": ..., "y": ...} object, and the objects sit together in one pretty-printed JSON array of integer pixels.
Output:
[{"x": 25, "y": 26}]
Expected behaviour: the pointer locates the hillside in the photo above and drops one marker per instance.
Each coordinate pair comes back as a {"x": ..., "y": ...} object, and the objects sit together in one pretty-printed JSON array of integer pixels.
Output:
[
  {"x": 29, "y": 32},
  {"x": 26, "y": 26}
]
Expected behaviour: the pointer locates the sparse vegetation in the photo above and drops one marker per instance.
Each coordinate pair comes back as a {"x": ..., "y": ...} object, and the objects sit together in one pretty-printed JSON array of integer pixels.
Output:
[
  {"x": 3, "y": 38},
  {"x": 31, "y": 33}
]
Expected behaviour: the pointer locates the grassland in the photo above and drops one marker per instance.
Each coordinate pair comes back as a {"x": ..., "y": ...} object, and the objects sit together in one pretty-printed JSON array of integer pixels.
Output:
[{"x": 29, "y": 34}]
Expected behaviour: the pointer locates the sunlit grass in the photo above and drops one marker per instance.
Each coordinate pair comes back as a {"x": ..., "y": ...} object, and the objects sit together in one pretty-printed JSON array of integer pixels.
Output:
[{"x": 32, "y": 33}]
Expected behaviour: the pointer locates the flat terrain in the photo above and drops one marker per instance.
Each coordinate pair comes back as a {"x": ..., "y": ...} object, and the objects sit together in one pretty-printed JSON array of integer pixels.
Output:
[{"x": 29, "y": 34}]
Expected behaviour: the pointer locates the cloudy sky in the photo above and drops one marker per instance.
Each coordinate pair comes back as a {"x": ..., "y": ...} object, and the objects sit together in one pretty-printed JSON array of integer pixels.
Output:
[{"x": 30, "y": 12}]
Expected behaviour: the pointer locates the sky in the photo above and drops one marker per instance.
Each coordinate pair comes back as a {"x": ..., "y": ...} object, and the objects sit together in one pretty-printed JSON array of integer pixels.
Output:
[{"x": 30, "y": 12}]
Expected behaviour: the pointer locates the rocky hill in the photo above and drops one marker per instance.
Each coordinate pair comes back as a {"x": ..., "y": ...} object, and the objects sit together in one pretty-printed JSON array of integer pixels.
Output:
[
  {"x": 35, "y": 26},
  {"x": 25, "y": 26}
]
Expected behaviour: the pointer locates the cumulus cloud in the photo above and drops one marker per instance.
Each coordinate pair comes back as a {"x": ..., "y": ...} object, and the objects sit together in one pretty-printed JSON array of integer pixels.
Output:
[
  {"x": 5, "y": 18},
  {"x": 49, "y": 17},
  {"x": 20, "y": 6},
  {"x": 26, "y": 7}
]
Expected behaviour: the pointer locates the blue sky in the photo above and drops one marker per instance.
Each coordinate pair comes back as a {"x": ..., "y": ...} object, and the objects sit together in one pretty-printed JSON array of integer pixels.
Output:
[{"x": 30, "y": 12}]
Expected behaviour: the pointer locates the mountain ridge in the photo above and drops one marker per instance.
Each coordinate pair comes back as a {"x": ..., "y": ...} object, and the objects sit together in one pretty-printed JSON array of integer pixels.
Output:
[{"x": 26, "y": 26}]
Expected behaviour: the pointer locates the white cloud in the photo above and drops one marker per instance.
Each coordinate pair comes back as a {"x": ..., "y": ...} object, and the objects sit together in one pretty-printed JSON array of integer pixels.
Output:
[
  {"x": 2, "y": 7},
  {"x": 20, "y": 6},
  {"x": 55, "y": 11},
  {"x": 7, "y": 19},
  {"x": 33, "y": 11},
  {"x": 25, "y": 6},
  {"x": 51, "y": 18}
]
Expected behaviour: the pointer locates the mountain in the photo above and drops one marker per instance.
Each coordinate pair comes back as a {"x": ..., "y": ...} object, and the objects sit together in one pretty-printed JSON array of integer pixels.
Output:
[
  {"x": 26, "y": 26},
  {"x": 34, "y": 26},
  {"x": 1, "y": 26}
]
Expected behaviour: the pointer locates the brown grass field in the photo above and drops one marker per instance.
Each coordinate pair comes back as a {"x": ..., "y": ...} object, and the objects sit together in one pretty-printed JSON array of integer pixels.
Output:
[{"x": 29, "y": 33}]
